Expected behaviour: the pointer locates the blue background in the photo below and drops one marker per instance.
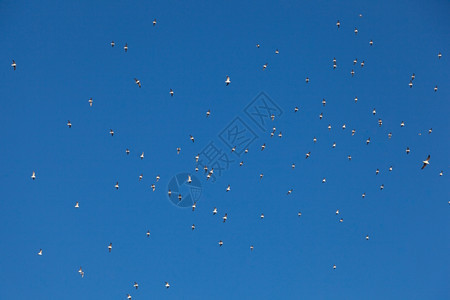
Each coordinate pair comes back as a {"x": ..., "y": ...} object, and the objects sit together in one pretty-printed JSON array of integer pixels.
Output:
[{"x": 64, "y": 58}]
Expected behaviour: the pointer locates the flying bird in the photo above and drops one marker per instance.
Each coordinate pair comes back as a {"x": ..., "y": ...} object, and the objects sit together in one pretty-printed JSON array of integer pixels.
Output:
[
  {"x": 110, "y": 247},
  {"x": 69, "y": 124},
  {"x": 40, "y": 252},
  {"x": 426, "y": 162},
  {"x": 138, "y": 82},
  {"x": 112, "y": 44},
  {"x": 154, "y": 22},
  {"x": 91, "y": 102},
  {"x": 228, "y": 80},
  {"x": 125, "y": 47},
  {"x": 14, "y": 64},
  {"x": 33, "y": 175},
  {"x": 338, "y": 24}
]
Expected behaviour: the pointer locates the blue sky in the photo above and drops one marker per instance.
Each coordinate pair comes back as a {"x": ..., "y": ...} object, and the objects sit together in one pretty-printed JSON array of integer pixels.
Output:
[{"x": 63, "y": 55}]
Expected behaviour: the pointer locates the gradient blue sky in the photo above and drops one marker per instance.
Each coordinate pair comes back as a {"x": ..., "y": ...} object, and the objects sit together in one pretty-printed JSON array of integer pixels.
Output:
[{"x": 64, "y": 58}]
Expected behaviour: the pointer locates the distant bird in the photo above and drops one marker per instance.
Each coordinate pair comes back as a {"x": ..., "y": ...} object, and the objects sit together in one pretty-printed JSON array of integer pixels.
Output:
[
  {"x": 402, "y": 124},
  {"x": 117, "y": 185},
  {"x": 307, "y": 79},
  {"x": 111, "y": 132},
  {"x": 334, "y": 267},
  {"x": 441, "y": 173},
  {"x": 225, "y": 217},
  {"x": 228, "y": 188},
  {"x": 334, "y": 145},
  {"x": 377, "y": 171},
  {"x": 276, "y": 51},
  {"x": 142, "y": 155},
  {"x": 110, "y": 247},
  {"x": 426, "y": 162},
  {"x": 208, "y": 113},
  {"x": 355, "y": 61},
  {"x": 40, "y": 252},
  {"x": 314, "y": 139},
  {"x": 289, "y": 192},
  {"x": 171, "y": 92},
  {"x": 296, "y": 109},
  {"x": 191, "y": 138},
  {"x": 349, "y": 157},
  {"x": 367, "y": 237},
  {"x": 329, "y": 126},
  {"x": 299, "y": 214},
  {"x": 178, "y": 150},
  {"x": 227, "y": 81},
  {"x": 215, "y": 210},
  {"x": 308, "y": 154},
  {"x": 343, "y": 127},
  {"x": 382, "y": 187},
  {"x": 362, "y": 64},
  {"x": 439, "y": 55},
  {"x": 337, "y": 211},
  {"x": 324, "y": 102},
  {"x": 407, "y": 150},
  {"x": 389, "y": 135},
  {"x": 148, "y": 233},
  {"x": 264, "y": 66},
  {"x": 430, "y": 130},
  {"x": 14, "y": 64},
  {"x": 140, "y": 177},
  {"x": 112, "y": 44},
  {"x": 77, "y": 205},
  {"x": 69, "y": 124},
  {"x": 262, "y": 216},
  {"x": 193, "y": 226},
  {"x": 251, "y": 248},
  {"x": 352, "y": 72},
  {"x": 410, "y": 84},
  {"x": 363, "y": 195},
  {"x": 33, "y": 175},
  {"x": 356, "y": 99},
  {"x": 153, "y": 187},
  {"x": 293, "y": 165},
  {"x": 356, "y": 31},
  {"x": 81, "y": 272},
  {"x": 138, "y": 82},
  {"x": 125, "y": 47},
  {"x": 320, "y": 116},
  {"x": 220, "y": 243},
  {"x": 341, "y": 220},
  {"x": 371, "y": 43},
  {"x": 154, "y": 22},
  {"x": 189, "y": 180},
  {"x": 338, "y": 24},
  {"x": 368, "y": 141},
  {"x": 413, "y": 76},
  {"x": 261, "y": 176},
  {"x": 157, "y": 178},
  {"x": 390, "y": 169},
  {"x": 324, "y": 180},
  {"x": 353, "y": 132},
  {"x": 127, "y": 151},
  {"x": 263, "y": 147},
  {"x": 128, "y": 297},
  {"x": 435, "y": 88},
  {"x": 167, "y": 285},
  {"x": 91, "y": 102},
  {"x": 380, "y": 122},
  {"x": 257, "y": 45}
]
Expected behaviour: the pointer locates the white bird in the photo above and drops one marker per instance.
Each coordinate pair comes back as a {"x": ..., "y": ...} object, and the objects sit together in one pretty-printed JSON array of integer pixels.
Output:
[
  {"x": 128, "y": 296},
  {"x": 33, "y": 175},
  {"x": 225, "y": 217},
  {"x": 407, "y": 150},
  {"x": 356, "y": 99},
  {"x": 289, "y": 192},
  {"x": 125, "y": 47},
  {"x": 356, "y": 31},
  {"x": 390, "y": 168},
  {"x": 157, "y": 178},
  {"x": 353, "y": 132},
  {"x": 178, "y": 150},
  {"x": 167, "y": 285},
  {"x": 402, "y": 124},
  {"x": 262, "y": 216},
  {"x": 426, "y": 162},
  {"x": 307, "y": 79},
  {"x": 112, "y": 43},
  {"x": 154, "y": 22},
  {"x": 338, "y": 24},
  {"x": 189, "y": 180},
  {"x": 220, "y": 243},
  {"x": 276, "y": 51},
  {"x": 227, "y": 81},
  {"x": 334, "y": 145},
  {"x": 111, "y": 132},
  {"x": 263, "y": 147},
  {"x": 208, "y": 113},
  {"x": 69, "y": 124},
  {"x": 77, "y": 205},
  {"x": 362, "y": 64},
  {"x": 329, "y": 126},
  {"x": 382, "y": 187},
  {"x": 142, "y": 155},
  {"x": 363, "y": 195},
  {"x": 337, "y": 212},
  {"x": 367, "y": 237},
  {"x": 251, "y": 248},
  {"x": 371, "y": 43},
  {"x": 334, "y": 267},
  {"x": 314, "y": 139},
  {"x": 140, "y": 177},
  {"x": 148, "y": 233},
  {"x": 40, "y": 252},
  {"x": 81, "y": 272},
  {"x": 138, "y": 82},
  {"x": 191, "y": 138},
  {"x": 441, "y": 173},
  {"x": 215, "y": 210},
  {"x": 299, "y": 214},
  {"x": 410, "y": 84},
  {"x": 91, "y": 102},
  {"x": 193, "y": 226},
  {"x": 293, "y": 166},
  {"x": 308, "y": 154},
  {"x": 324, "y": 180},
  {"x": 264, "y": 66},
  {"x": 296, "y": 109},
  {"x": 439, "y": 55},
  {"x": 127, "y": 151},
  {"x": 171, "y": 92},
  {"x": 110, "y": 247},
  {"x": 368, "y": 141},
  {"x": 13, "y": 65},
  {"x": 324, "y": 102},
  {"x": 352, "y": 72},
  {"x": 117, "y": 185},
  {"x": 228, "y": 188}
]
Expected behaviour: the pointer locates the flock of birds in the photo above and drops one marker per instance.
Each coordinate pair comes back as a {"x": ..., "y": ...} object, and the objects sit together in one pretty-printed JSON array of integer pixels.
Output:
[{"x": 210, "y": 171}]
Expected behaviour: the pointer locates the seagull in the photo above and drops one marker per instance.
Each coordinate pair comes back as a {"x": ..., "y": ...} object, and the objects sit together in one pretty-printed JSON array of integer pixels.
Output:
[
  {"x": 307, "y": 79},
  {"x": 111, "y": 132},
  {"x": 81, "y": 272},
  {"x": 220, "y": 243},
  {"x": 435, "y": 88},
  {"x": 261, "y": 176},
  {"x": 439, "y": 55},
  {"x": 389, "y": 135},
  {"x": 371, "y": 43},
  {"x": 276, "y": 51},
  {"x": 264, "y": 66},
  {"x": 308, "y": 154},
  {"x": 337, "y": 212},
  {"x": 189, "y": 180},
  {"x": 154, "y": 22},
  {"x": 324, "y": 102},
  {"x": 257, "y": 45},
  {"x": 40, "y": 252},
  {"x": 117, "y": 185},
  {"x": 167, "y": 285},
  {"x": 293, "y": 165},
  {"x": 153, "y": 187},
  {"x": 363, "y": 195},
  {"x": 140, "y": 177},
  {"x": 142, "y": 155},
  {"x": 402, "y": 124},
  {"x": 263, "y": 147},
  {"x": 127, "y": 151},
  {"x": 171, "y": 92},
  {"x": 178, "y": 150},
  {"x": 356, "y": 31},
  {"x": 137, "y": 82},
  {"x": 110, "y": 247},
  {"x": 362, "y": 64},
  {"x": 426, "y": 162},
  {"x": 91, "y": 102},
  {"x": 413, "y": 76},
  {"x": 289, "y": 192},
  {"x": 193, "y": 226},
  {"x": 314, "y": 139},
  {"x": 320, "y": 116},
  {"x": 112, "y": 44},
  {"x": 343, "y": 127},
  {"x": 349, "y": 157},
  {"x": 228, "y": 188},
  {"x": 441, "y": 173},
  {"x": 251, "y": 248},
  {"x": 69, "y": 124},
  {"x": 382, "y": 187},
  {"x": 356, "y": 99},
  {"x": 334, "y": 267},
  {"x": 33, "y": 175},
  {"x": 296, "y": 109},
  {"x": 338, "y": 24},
  {"x": 410, "y": 84},
  {"x": 324, "y": 180},
  {"x": 380, "y": 122},
  {"x": 13, "y": 64},
  {"x": 215, "y": 210},
  {"x": 341, "y": 220},
  {"x": 191, "y": 138},
  {"x": 128, "y": 296},
  {"x": 390, "y": 169},
  {"x": 299, "y": 214},
  {"x": 262, "y": 216},
  {"x": 352, "y": 72},
  {"x": 157, "y": 178},
  {"x": 368, "y": 141},
  {"x": 227, "y": 81},
  {"x": 125, "y": 47},
  {"x": 355, "y": 61},
  {"x": 225, "y": 217},
  {"x": 148, "y": 233},
  {"x": 367, "y": 237},
  {"x": 353, "y": 132},
  {"x": 329, "y": 126},
  {"x": 334, "y": 145},
  {"x": 377, "y": 171},
  {"x": 77, "y": 205},
  {"x": 208, "y": 113}
]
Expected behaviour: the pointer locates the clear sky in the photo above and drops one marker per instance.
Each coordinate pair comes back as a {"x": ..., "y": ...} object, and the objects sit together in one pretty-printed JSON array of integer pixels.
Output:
[{"x": 64, "y": 57}]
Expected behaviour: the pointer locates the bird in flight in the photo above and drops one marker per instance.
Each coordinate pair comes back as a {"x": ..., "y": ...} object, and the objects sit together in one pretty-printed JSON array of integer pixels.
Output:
[
  {"x": 112, "y": 44},
  {"x": 110, "y": 247},
  {"x": 338, "y": 24},
  {"x": 40, "y": 252},
  {"x": 167, "y": 285},
  {"x": 91, "y": 102},
  {"x": 135, "y": 285},
  {"x": 426, "y": 162},
  {"x": 171, "y": 92},
  {"x": 14, "y": 64},
  {"x": 138, "y": 82},
  {"x": 69, "y": 124},
  {"x": 33, "y": 175},
  {"x": 154, "y": 22},
  {"x": 228, "y": 80},
  {"x": 125, "y": 47}
]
